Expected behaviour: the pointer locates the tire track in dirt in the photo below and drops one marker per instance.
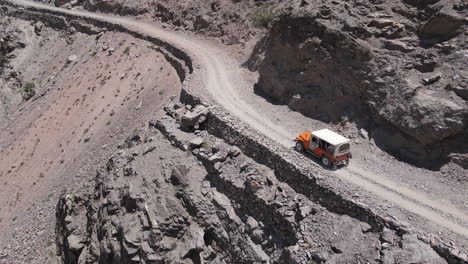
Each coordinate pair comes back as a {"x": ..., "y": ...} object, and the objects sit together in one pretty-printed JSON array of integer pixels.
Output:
[{"x": 221, "y": 83}]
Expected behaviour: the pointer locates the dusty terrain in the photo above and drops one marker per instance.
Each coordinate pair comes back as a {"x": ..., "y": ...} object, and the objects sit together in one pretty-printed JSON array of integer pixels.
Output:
[
  {"x": 81, "y": 110},
  {"x": 372, "y": 61},
  {"x": 430, "y": 203}
]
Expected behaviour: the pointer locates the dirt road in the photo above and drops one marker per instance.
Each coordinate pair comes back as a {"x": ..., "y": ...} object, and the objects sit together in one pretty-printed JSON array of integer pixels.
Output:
[{"x": 223, "y": 83}]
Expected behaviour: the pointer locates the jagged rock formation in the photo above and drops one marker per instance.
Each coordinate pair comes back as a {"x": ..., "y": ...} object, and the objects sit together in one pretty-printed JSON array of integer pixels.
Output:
[
  {"x": 8, "y": 43},
  {"x": 210, "y": 204},
  {"x": 395, "y": 68},
  {"x": 10, "y": 79}
]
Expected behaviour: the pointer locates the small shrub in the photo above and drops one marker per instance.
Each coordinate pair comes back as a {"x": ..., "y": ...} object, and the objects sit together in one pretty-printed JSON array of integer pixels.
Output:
[
  {"x": 126, "y": 50},
  {"x": 161, "y": 92},
  {"x": 29, "y": 90},
  {"x": 263, "y": 17}
]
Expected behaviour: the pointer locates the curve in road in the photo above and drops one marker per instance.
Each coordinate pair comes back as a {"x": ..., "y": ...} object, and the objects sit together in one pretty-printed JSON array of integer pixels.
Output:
[{"x": 221, "y": 84}]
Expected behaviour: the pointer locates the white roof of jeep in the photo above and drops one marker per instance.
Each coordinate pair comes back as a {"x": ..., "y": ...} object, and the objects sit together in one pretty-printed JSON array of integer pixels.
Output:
[{"x": 330, "y": 137}]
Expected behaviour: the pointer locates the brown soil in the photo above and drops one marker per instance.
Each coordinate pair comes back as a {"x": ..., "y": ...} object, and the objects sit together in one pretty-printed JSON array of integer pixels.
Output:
[
  {"x": 81, "y": 111},
  {"x": 433, "y": 202}
]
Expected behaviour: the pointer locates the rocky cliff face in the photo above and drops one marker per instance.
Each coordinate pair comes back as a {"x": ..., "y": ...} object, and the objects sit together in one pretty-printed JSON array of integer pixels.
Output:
[
  {"x": 398, "y": 69},
  {"x": 207, "y": 202}
]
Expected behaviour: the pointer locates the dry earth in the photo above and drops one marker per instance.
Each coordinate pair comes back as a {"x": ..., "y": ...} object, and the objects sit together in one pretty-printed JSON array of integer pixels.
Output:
[
  {"x": 82, "y": 95},
  {"x": 82, "y": 109}
]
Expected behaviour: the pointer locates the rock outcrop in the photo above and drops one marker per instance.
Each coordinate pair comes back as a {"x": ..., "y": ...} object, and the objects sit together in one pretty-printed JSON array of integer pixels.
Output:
[
  {"x": 133, "y": 214},
  {"x": 210, "y": 203},
  {"x": 401, "y": 75},
  {"x": 9, "y": 42}
]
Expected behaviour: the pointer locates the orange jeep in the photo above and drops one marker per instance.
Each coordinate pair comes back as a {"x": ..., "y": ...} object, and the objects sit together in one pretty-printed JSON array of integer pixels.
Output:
[{"x": 332, "y": 148}]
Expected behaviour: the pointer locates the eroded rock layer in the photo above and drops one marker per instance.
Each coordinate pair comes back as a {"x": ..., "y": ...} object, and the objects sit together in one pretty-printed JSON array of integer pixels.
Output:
[{"x": 169, "y": 196}]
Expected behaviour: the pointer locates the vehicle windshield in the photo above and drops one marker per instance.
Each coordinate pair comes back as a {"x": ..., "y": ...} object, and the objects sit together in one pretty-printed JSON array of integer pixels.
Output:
[{"x": 344, "y": 148}]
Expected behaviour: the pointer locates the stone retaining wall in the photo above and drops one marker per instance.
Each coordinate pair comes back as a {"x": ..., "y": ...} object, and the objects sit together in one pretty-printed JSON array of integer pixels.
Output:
[{"x": 253, "y": 144}]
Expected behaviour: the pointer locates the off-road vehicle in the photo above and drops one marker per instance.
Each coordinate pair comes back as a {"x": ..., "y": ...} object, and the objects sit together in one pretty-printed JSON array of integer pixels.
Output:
[{"x": 332, "y": 148}]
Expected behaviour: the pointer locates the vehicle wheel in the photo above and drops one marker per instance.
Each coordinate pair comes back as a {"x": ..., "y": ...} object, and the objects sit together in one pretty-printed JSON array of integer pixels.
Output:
[
  {"x": 299, "y": 146},
  {"x": 347, "y": 163},
  {"x": 325, "y": 161},
  {"x": 334, "y": 167}
]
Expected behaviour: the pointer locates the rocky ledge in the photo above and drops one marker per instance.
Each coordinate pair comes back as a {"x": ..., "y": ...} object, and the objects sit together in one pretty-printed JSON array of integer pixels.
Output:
[{"x": 173, "y": 193}]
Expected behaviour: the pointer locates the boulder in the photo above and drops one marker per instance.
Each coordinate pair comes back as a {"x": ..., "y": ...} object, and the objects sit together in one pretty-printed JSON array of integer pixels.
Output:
[
  {"x": 179, "y": 173},
  {"x": 305, "y": 211},
  {"x": 175, "y": 110},
  {"x": 363, "y": 133},
  {"x": 388, "y": 235},
  {"x": 196, "y": 142},
  {"x": 431, "y": 80},
  {"x": 234, "y": 151},
  {"x": 321, "y": 256},
  {"x": 252, "y": 223},
  {"x": 462, "y": 92},
  {"x": 75, "y": 243},
  {"x": 381, "y": 23},
  {"x": 201, "y": 22},
  {"x": 72, "y": 58},
  {"x": 398, "y": 45},
  {"x": 412, "y": 251},
  {"x": 460, "y": 159},
  {"x": 433, "y": 119},
  {"x": 191, "y": 244},
  {"x": 38, "y": 26},
  {"x": 195, "y": 117},
  {"x": 217, "y": 158},
  {"x": 443, "y": 26}
]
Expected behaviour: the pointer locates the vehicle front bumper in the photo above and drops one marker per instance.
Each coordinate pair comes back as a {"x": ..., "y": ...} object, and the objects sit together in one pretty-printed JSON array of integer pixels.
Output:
[{"x": 342, "y": 162}]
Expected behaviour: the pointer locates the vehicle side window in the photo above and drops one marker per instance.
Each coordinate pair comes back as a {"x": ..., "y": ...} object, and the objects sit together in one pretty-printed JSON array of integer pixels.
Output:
[
  {"x": 344, "y": 147},
  {"x": 324, "y": 145},
  {"x": 314, "y": 139},
  {"x": 331, "y": 149}
]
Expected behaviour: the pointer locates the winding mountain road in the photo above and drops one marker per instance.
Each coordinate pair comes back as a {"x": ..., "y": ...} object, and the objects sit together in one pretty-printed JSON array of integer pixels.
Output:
[{"x": 223, "y": 84}]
